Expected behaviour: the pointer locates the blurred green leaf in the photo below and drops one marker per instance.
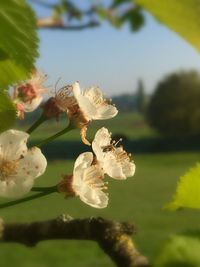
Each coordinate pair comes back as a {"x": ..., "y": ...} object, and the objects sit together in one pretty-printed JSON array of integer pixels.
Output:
[
  {"x": 135, "y": 18},
  {"x": 187, "y": 191},
  {"x": 19, "y": 41},
  {"x": 179, "y": 251},
  {"x": 71, "y": 10},
  {"x": 110, "y": 15},
  {"x": 102, "y": 12},
  {"x": 57, "y": 12},
  {"x": 7, "y": 112},
  {"x": 115, "y": 21},
  {"x": 117, "y": 3},
  {"x": 182, "y": 16}
]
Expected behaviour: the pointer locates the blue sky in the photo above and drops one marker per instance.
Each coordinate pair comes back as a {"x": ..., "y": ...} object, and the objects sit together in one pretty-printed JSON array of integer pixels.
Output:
[{"x": 114, "y": 59}]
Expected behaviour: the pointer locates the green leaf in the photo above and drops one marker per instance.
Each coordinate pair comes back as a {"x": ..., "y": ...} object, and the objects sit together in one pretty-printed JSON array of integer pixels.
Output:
[
  {"x": 117, "y": 3},
  {"x": 102, "y": 12},
  {"x": 71, "y": 9},
  {"x": 179, "y": 251},
  {"x": 187, "y": 191},
  {"x": 135, "y": 18},
  {"x": 109, "y": 15},
  {"x": 19, "y": 41},
  {"x": 182, "y": 16},
  {"x": 7, "y": 112}
]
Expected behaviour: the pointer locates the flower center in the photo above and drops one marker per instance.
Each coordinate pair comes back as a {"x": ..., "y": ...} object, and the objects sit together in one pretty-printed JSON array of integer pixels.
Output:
[
  {"x": 7, "y": 169},
  {"x": 66, "y": 100},
  {"x": 99, "y": 101},
  {"x": 121, "y": 156},
  {"x": 118, "y": 152},
  {"x": 27, "y": 92},
  {"x": 112, "y": 146},
  {"x": 94, "y": 178}
]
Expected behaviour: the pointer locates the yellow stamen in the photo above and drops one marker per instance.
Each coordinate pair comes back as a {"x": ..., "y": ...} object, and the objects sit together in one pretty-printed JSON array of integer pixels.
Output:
[{"x": 7, "y": 169}]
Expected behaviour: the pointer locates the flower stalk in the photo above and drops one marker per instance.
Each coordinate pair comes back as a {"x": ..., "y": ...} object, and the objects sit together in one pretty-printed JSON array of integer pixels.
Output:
[
  {"x": 70, "y": 127},
  {"x": 43, "y": 191},
  {"x": 36, "y": 124}
]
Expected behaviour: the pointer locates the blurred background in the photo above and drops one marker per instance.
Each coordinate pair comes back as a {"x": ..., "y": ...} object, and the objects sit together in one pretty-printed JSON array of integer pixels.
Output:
[{"x": 152, "y": 75}]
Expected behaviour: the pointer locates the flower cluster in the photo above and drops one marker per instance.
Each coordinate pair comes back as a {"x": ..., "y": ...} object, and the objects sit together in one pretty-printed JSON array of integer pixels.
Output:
[
  {"x": 87, "y": 180},
  {"x": 19, "y": 166}
]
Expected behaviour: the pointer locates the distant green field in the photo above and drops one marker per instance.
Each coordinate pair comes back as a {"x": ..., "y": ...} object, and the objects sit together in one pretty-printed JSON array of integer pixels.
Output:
[{"x": 139, "y": 200}]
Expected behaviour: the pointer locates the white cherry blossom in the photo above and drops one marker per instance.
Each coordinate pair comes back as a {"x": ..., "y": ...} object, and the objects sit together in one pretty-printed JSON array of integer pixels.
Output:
[
  {"x": 114, "y": 160},
  {"x": 88, "y": 182},
  {"x": 19, "y": 166},
  {"x": 93, "y": 104},
  {"x": 84, "y": 106}
]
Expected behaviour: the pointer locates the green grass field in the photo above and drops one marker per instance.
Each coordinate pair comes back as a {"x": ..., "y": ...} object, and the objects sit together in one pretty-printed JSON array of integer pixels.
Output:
[{"x": 139, "y": 199}]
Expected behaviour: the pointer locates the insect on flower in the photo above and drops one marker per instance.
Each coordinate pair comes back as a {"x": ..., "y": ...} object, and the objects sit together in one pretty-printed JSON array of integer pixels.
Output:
[
  {"x": 111, "y": 147},
  {"x": 114, "y": 160}
]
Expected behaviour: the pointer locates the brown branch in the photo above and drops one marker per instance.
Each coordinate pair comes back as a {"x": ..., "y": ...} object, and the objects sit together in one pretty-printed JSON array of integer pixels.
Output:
[
  {"x": 50, "y": 23},
  {"x": 113, "y": 237},
  {"x": 88, "y": 12}
]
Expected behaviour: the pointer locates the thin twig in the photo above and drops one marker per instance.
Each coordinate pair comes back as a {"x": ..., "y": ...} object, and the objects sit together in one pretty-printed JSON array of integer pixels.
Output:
[
  {"x": 59, "y": 26},
  {"x": 42, "y": 193},
  {"x": 87, "y": 12}
]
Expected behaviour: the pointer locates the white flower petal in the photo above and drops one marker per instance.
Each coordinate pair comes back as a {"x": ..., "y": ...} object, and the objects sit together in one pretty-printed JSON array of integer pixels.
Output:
[
  {"x": 84, "y": 160},
  {"x": 33, "y": 164},
  {"x": 113, "y": 169},
  {"x": 88, "y": 109},
  {"x": 98, "y": 151},
  {"x": 84, "y": 103},
  {"x": 93, "y": 93},
  {"x": 15, "y": 188},
  {"x": 128, "y": 169},
  {"x": 33, "y": 104},
  {"x": 96, "y": 199},
  {"x": 102, "y": 139},
  {"x": 88, "y": 182},
  {"x": 13, "y": 144},
  {"x": 76, "y": 89},
  {"x": 93, "y": 194},
  {"x": 106, "y": 112}
]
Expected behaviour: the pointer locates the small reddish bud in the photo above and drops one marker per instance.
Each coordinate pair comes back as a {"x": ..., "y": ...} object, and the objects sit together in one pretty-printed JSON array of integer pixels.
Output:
[
  {"x": 20, "y": 110},
  {"x": 65, "y": 186},
  {"x": 51, "y": 109}
]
